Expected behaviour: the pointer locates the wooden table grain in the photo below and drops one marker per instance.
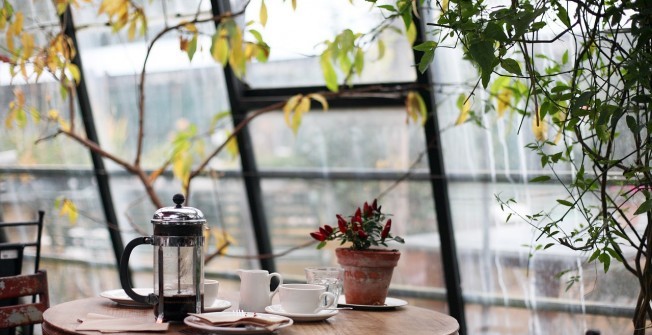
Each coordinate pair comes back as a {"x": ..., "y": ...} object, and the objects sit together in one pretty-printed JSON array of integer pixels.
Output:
[{"x": 62, "y": 320}]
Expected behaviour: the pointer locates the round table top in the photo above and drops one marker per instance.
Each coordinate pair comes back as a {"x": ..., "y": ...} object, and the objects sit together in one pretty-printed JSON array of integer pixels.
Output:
[{"x": 63, "y": 319}]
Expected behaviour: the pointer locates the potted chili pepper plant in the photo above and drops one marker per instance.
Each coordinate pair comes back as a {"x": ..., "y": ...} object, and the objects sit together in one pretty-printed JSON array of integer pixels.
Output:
[{"x": 368, "y": 262}]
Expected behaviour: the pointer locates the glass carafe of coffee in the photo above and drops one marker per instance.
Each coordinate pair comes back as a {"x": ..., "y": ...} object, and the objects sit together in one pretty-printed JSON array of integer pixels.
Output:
[{"x": 178, "y": 262}]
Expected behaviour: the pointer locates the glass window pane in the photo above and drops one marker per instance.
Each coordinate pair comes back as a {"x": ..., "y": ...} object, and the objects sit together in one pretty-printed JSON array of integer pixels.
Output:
[
  {"x": 375, "y": 139},
  {"x": 296, "y": 40}
]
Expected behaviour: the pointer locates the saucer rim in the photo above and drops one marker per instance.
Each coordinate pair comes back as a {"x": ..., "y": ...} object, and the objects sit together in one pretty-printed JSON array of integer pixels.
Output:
[{"x": 277, "y": 308}]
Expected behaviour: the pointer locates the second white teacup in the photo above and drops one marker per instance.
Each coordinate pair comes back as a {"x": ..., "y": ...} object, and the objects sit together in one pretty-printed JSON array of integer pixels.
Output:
[
  {"x": 305, "y": 298},
  {"x": 210, "y": 291}
]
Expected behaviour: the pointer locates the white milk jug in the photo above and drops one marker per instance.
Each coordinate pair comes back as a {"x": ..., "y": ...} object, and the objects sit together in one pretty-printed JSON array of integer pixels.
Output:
[{"x": 254, "y": 289}]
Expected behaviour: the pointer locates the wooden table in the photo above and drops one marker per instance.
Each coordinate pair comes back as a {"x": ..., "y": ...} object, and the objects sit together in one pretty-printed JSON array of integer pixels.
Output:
[{"x": 62, "y": 320}]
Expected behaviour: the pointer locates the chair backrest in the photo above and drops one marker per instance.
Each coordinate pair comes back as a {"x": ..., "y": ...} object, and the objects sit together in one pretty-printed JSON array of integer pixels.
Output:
[
  {"x": 21, "y": 286},
  {"x": 11, "y": 249}
]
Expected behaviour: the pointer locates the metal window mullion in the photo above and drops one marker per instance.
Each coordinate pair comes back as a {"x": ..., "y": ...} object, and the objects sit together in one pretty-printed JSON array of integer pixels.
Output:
[
  {"x": 439, "y": 184},
  {"x": 86, "y": 112},
  {"x": 247, "y": 158}
]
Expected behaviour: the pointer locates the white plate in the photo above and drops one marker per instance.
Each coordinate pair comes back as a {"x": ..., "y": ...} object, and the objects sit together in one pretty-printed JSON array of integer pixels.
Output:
[
  {"x": 121, "y": 297},
  {"x": 322, "y": 315},
  {"x": 389, "y": 304},
  {"x": 195, "y": 322},
  {"x": 217, "y": 306}
]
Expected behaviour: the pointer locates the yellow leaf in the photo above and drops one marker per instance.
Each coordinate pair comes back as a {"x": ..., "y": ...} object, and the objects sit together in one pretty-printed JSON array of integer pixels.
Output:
[
  {"x": 232, "y": 146},
  {"x": 70, "y": 209},
  {"x": 381, "y": 49},
  {"x": 53, "y": 114},
  {"x": 237, "y": 58},
  {"x": 74, "y": 72},
  {"x": 464, "y": 105},
  {"x": 289, "y": 107},
  {"x": 539, "y": 129},
  {"x": 302, "y": 107},
  {"x": 131, "y": 31},
  {"x": 444, "y": 6},
  {"x": 191, "y": 27},
  {"x": 36, "y": 116},
  {"x": 503, "y": 101},
  {"x": 263, "y": 14},
  {"x": 222, "y": 240},
  {"x": 294, "y": 4},
  {"x": 250, "y": 48},
  {"x": 63, "y": 124},
  {"x": 28, "y": 44},
  {"x": 411, "y": 33},
  {"x": 181, "y": 167},
  {"x": 20, "y": 97},
  {"x": 220, "y": 47},
  {"x": 17, "y": 26},
  {"x": 321, "y": 99},
  {"x": 152, "y": 177}
]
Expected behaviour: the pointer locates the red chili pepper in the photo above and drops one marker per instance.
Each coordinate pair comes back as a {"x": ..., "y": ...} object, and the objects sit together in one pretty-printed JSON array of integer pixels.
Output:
[
  {"x": 362, "y": 234},
  {"x": 323, "y": 231},
  {"x": 374, "y": 205},
  {"x": 5, "y": 59},
  {"x": 357, "y": 217},
  {"x": 318, "y": 236},
  {"x": 354, "y": 226},
  {"x": 341, "y": 223},
  {"x": 328, "y": 229},
  {"x": 386, "y": 229},
  {"x": 367, "y": 210}
]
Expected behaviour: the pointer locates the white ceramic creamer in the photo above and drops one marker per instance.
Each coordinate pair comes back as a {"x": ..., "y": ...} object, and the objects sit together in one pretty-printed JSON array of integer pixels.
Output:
[{"x": 254, "y": 289}]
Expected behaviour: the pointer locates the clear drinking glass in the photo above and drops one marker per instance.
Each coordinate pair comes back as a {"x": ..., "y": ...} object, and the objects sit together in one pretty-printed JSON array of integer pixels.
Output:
[{"x": 330, "y": 277}]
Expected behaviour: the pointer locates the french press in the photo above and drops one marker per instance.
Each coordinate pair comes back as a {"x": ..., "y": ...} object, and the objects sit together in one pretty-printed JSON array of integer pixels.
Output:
[{"x": 178, "y": 262}]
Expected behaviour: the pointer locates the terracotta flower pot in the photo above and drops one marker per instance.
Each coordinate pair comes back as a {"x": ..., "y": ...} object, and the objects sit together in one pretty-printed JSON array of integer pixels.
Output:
[{"x": 367, "y": 274}]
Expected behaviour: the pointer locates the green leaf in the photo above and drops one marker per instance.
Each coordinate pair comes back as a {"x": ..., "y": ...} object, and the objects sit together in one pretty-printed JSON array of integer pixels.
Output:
[
  {"x": 605, "y": 259},
  {"x": 495, "y": 31},
  {"x": 482, "y": 52},
  {"x": 425, "y": 46},
  {"x": 564, "y": 57},
  {"x": 562, "y": 14},
  {"x": 425, "y": 61},
  {"x": 631, "y": 123},
  {"x": 192, "y": 47},
  {"x": 511, "y": 66},
  {"x": 330, "y": 76},
  {"x": 381, "y": 49},
  {"x": 540, "y": 179},
  {"x": 358, "y": 62},
  {"x": 565, "y": 202},
  {"x": 644, "y": 207},
  {"x": 321, "y": 244},
  {"x": 388, "y": 7},
  {"x": 595, "y": 255}
]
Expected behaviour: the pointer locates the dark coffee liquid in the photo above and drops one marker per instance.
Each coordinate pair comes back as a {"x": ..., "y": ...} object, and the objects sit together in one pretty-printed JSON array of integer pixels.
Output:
[{"x": 177, "y": 307}]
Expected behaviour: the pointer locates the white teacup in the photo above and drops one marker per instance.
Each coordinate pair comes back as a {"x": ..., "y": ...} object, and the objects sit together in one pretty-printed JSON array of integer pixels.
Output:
[
  {"x": 305, "y": 298},
  {"x": 210, "y": 291}
]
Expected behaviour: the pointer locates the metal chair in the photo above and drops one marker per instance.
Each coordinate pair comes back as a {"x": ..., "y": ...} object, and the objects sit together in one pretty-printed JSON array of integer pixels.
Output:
[
  {"x": 21, "y": 286},
  {"x": 11, "y": 260}
]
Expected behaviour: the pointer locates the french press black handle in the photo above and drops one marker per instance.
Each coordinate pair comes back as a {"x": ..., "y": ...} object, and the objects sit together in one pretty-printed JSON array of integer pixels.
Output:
[{"x": 150, "y": 299}]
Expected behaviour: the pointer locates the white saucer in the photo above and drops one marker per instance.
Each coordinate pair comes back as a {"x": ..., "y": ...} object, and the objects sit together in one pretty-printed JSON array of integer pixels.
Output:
[
  {"x": 120, "y": 296},
  {"x": 217, "y": 306},
  {"x": 389, "y": 304},
  {"x": 322, "y": 315}
]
